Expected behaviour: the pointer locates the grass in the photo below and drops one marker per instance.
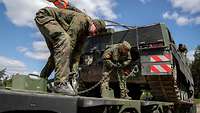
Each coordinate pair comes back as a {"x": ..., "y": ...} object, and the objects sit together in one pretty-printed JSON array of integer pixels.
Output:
[{"x": 197, "y": 101}]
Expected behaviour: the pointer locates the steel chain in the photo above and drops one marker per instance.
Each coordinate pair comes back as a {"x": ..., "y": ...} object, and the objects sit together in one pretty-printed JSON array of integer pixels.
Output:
[{"x": 134, "y": 70}]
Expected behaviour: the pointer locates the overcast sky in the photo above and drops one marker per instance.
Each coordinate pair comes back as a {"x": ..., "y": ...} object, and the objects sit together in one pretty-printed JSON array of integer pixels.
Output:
[{"x": 23, "y": 50}]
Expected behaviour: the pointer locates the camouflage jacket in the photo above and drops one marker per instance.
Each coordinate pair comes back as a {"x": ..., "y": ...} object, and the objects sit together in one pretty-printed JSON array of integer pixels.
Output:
[{"x": 112, "y": 56}]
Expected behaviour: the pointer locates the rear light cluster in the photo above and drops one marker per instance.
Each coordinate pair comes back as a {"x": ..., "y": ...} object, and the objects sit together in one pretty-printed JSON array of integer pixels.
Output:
[{"x": 157, "y": 44}]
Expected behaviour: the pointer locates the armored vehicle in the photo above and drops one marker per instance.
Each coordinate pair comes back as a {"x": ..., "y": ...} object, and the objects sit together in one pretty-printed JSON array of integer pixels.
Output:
[{"x": 157, "y": 67}]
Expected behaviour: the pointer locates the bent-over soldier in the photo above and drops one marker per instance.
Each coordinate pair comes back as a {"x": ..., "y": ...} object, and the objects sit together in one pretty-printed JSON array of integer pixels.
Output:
[
  {"x": 116, "y": 57},
  {"x": 65, "y": 31}
]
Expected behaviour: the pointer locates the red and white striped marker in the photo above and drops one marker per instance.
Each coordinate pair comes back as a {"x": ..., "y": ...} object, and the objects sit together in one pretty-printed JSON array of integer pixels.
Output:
[
  {"x": 160, "y": 58},
  {"x": 162, "y": 68}
]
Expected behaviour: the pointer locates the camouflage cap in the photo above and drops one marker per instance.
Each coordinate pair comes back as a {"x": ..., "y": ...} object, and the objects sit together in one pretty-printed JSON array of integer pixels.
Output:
[
  {"x": 128, "y": 45},
  {"x": 100, "y": 25}
]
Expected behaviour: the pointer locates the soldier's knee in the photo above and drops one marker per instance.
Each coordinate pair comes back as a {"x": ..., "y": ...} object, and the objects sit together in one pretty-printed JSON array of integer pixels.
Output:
[
  {"x": 44, "y": 15},
  {"x": 42, "y": 12}
]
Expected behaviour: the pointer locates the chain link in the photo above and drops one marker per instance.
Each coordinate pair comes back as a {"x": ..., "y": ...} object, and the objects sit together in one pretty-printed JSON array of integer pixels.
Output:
[{"x": 134, "y": 70}]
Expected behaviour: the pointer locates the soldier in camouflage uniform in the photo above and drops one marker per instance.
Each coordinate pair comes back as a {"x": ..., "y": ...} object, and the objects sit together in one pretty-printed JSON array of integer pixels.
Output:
[
  {"x": 116, "y": 57},
  {"x": 65, "y": 31},
  {"x": 182, "y": 49}
]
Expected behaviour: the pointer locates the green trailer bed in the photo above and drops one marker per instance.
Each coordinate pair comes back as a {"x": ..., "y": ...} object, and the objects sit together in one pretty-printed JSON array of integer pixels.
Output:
[{"x": 12, "y": 101}]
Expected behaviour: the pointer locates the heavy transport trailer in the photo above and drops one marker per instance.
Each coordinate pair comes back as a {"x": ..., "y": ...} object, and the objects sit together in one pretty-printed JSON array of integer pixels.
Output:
[
  {"x": 15, "y": 101},
  {"x": 156, "y": 66}
]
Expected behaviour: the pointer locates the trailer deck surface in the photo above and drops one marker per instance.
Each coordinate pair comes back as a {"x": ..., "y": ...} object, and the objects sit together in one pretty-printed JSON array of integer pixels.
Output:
[{"x": 31, "y": 101}]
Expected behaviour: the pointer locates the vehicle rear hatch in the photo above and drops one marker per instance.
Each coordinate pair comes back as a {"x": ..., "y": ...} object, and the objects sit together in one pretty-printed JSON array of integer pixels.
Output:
[{"x": 156, "y": 57}]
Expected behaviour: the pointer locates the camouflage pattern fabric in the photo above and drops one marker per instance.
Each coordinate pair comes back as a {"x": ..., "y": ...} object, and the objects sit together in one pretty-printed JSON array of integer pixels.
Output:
[
  {"x": 122, "y": 85},
  {"x": 182, "y": 49},
  {"x": 112, "y": 57},
  {"x": 64, "y": 32}
]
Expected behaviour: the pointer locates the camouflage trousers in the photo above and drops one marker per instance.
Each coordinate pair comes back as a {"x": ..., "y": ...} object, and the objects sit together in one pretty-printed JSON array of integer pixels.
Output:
[
  {"x": 64, "y": 32},
  {"x": 121, "y": 79}
]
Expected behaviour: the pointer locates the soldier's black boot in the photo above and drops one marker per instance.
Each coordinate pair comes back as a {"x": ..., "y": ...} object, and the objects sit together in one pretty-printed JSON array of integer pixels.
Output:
[{"x": 64, "y": 88}]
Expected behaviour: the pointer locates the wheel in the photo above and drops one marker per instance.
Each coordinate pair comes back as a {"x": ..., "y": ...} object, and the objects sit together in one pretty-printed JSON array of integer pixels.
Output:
[
  {"x": 192, "y": 109},
  {"x": 129, "y": 111},
  {"x": 176, "y": 82},
  {"x": 158, "y": 110},
  {"x": 181, "y": 89},
  {"x": 169, "y": 111}
]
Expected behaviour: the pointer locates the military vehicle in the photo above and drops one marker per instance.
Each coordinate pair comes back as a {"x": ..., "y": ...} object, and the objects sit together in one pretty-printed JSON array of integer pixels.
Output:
[
  {"x": 157, "y": 63},
  {"x": 156, "y": 67}
]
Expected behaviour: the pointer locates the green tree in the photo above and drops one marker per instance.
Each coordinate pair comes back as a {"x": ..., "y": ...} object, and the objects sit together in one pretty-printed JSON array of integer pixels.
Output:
[
  {"x": 2, "y": 73},
  {"x": 195, "y": 69},
  {"x": 2, "y": 76}
]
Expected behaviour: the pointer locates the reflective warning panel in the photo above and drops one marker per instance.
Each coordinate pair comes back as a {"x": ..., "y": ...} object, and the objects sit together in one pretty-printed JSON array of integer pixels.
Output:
[
  {"x": 161, "y": 68},
  {"x": 160, "y": 58}
]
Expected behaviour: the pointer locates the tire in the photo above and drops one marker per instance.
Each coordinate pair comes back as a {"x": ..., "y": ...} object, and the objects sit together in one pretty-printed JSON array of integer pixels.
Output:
[{"x": 130, "y": 111}]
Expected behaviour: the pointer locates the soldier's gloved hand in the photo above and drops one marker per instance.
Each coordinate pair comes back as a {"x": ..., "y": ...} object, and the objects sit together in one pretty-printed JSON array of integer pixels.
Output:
[
  {"x": 119, "y": 65},
  {"x": 125, "y": 63}
]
